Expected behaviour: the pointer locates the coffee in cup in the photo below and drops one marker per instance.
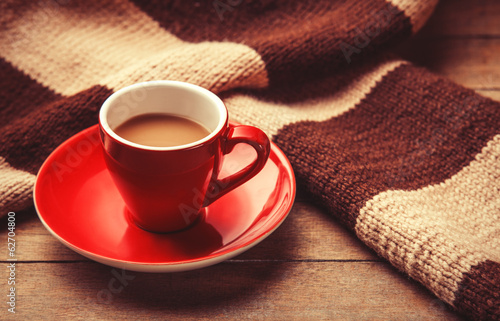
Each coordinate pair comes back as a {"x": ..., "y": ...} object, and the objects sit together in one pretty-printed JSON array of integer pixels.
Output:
[
  {"x": 164, "y": 143},
  {"x": 161, "y": 130}
]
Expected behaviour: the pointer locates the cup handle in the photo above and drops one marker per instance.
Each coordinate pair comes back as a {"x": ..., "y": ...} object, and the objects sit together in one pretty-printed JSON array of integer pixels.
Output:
[{"x": 236, "y": 135}]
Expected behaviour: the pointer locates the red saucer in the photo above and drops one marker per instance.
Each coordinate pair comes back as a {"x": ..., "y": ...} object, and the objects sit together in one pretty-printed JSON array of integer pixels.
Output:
[{"x": 78, "y": 203}]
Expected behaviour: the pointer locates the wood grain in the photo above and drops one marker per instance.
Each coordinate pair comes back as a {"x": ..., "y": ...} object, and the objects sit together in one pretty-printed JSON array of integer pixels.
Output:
[
  {"x": 471, "y": 62},
  {"x": 230, "y": 290},
  {"x": 462, "y": 18},
  {"x": 461, "y": 41},
  {"x": 307, "y": 234}
]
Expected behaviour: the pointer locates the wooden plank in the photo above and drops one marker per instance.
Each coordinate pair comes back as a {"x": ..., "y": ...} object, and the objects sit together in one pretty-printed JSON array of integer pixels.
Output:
[
  {"x": 461, "y": 18},
  {"x": 461, "y": 41},
  {"x": 34, "y": 242},
  {"x": 471, "y": 62},
  {"x": 231, "y": 290},
  {"x": 307, "y": 234}
]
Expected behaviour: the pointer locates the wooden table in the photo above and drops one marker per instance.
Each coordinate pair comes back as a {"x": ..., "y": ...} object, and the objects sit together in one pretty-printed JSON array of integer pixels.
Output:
[{"x": 310, "y": 268}]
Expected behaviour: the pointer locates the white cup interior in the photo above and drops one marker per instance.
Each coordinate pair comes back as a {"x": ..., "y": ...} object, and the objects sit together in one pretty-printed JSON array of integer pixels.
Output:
[{"x": 163, "y": 96}]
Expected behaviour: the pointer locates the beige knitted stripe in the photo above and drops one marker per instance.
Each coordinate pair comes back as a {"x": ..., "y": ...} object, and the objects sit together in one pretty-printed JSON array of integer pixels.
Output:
[
  {"x": 271, "y": 116},
  {"x": 73, "y": 47},
  {"x": 417, "y": 10},
  {"x": 437, "y": 233},
  {"x": 16, "y": 188}
]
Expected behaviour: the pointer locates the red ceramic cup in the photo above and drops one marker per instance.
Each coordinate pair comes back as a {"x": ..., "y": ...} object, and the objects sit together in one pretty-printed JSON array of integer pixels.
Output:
[{"x": 167, "y": 188}]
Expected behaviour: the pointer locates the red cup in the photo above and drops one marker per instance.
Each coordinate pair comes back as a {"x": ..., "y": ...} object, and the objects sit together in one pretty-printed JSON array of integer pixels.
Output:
[{"x": 167, "y": 188}]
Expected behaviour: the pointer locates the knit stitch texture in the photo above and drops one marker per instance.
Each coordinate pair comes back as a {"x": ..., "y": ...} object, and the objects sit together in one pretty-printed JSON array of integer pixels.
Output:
[{"x": 407, "y": 160}]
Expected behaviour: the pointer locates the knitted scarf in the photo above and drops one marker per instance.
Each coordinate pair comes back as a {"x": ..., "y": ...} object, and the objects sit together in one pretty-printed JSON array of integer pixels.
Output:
[{"x": 407, "y": 160}]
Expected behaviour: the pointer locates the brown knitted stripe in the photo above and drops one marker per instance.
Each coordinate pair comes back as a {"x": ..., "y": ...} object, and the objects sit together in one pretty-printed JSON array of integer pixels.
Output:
[
  {"x": 479, "y": 293},
  {"x": 294, "y": 38},
  {"x": 27, "y": 141},
  {"x": 414, "y": 129},
  {"x": 19, "y": 94},
  {"x": 317, "y": 100}
]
